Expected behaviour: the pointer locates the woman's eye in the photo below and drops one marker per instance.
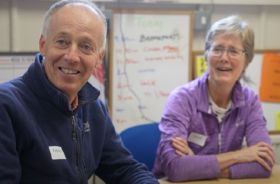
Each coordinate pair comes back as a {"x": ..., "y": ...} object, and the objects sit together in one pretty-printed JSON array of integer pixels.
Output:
[
  {"x": 218, "y": 50},
  {"x": 233, "y": 51}
]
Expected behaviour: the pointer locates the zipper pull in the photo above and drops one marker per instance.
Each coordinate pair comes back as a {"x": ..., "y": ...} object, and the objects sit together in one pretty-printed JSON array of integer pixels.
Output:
[{"x": 74, "y": 133}]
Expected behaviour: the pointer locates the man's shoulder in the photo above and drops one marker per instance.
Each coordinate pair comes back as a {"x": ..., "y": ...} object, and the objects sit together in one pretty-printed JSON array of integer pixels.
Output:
[{"x": 11, "y": 89}]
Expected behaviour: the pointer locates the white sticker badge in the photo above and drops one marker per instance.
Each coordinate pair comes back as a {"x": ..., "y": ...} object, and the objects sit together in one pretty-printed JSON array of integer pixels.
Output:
[
  {"x": 57, "y": 153},
  {"x": 197, "y": 138}
]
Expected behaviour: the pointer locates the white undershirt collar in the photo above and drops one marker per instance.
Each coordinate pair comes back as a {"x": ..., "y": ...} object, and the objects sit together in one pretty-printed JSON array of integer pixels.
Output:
[{"x": 218, "y": 111}]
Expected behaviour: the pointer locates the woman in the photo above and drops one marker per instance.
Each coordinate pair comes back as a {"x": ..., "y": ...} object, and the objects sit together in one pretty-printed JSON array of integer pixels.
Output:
[{"x": 205, "y": 121}]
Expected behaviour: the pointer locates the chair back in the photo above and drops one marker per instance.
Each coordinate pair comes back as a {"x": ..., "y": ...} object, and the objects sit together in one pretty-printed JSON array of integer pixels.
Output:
[{"x": 142, "y": 141}]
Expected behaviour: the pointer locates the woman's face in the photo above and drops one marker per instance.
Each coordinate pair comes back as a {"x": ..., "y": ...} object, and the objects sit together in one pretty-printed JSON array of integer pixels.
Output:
[{"x": 226, "y": 60}]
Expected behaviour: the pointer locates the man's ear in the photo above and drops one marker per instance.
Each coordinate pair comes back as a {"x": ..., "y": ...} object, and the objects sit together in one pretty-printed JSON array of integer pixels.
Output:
[
  {"x": 42, "y": 45},
  {"x": 100, "y": 57}
]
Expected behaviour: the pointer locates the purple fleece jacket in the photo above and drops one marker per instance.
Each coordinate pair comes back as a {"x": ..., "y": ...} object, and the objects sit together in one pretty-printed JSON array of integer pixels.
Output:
[{"x": 187, "y": 111}]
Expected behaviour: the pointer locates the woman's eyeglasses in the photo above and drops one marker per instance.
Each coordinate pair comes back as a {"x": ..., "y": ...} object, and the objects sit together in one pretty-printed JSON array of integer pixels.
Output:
[{"x": 232, "y": 53}]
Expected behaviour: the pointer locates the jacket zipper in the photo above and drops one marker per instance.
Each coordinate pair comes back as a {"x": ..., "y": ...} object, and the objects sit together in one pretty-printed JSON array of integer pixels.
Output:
[
  {"x": 75, "y": 138},
  {"x": 219, "y": 141},
  {"x": 221, "y": 129}
]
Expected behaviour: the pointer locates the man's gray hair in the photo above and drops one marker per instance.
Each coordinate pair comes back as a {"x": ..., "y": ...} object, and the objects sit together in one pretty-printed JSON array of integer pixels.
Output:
[{"x": 58, "y": 5}]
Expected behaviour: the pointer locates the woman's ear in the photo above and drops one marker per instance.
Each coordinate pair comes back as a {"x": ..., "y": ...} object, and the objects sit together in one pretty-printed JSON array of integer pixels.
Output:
[
  {"x": 206, "y": 55},
  {"x": 246, "y": 65}
]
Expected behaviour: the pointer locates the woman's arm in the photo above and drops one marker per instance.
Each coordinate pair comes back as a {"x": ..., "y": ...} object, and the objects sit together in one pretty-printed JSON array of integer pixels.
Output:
[
  {"x": 261, "y": 153},
  {"x": 255, "y": 133},
  {"x": 184, "y": 167},
  {"x": 178, "y": 116}
]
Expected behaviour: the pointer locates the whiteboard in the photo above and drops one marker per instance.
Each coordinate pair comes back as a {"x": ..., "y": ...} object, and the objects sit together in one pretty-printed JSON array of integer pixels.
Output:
[
  {"x": 254, "y": 73},
  {"x": 150, "y": 56}
]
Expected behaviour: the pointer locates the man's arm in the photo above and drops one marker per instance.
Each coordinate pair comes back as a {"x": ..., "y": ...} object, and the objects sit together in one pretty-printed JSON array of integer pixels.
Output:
[{"x": 9, "y": 160}]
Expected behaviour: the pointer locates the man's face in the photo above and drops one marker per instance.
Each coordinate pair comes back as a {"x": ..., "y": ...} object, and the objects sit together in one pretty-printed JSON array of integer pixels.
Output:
[{"x": 72, "y": 47}]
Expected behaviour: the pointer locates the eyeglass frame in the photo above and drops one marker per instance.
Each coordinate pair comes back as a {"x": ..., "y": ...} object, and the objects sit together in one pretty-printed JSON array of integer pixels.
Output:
[{"x": 229, "y": 51}]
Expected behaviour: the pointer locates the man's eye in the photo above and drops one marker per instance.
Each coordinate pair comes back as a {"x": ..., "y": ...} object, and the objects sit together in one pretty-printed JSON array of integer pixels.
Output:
[
  {"x": 87, "y": 48},
  {"x": 61, "y": 43}
]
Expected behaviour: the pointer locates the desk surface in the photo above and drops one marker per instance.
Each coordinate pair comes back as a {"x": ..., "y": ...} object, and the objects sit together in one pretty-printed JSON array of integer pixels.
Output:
[{"x": 273, "y": 179}]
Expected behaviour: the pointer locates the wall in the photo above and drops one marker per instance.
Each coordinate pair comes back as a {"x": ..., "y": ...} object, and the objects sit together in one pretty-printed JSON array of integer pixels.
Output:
[
  {"x": 5, "y": 26},
  {"x": 263, "y": 19},
  {"x": 21, "y": 22}
]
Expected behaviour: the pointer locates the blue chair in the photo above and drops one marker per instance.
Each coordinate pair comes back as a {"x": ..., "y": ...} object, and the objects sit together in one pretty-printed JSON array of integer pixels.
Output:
[{"x": 142, "y": 142}]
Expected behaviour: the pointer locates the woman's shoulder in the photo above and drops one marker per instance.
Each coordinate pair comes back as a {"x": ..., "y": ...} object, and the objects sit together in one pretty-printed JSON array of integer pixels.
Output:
[
  {"x": 190, "y": 94},
  {"x": 193, "y": 86},
  {"x": 249, "y": 93}
]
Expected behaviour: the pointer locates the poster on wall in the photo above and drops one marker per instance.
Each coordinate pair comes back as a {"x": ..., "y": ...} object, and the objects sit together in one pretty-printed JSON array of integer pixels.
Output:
[{"x": 270, "y": 80}]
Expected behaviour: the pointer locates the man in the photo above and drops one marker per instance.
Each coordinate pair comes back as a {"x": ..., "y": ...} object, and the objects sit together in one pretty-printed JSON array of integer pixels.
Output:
[{"x": 53, "y": 129}]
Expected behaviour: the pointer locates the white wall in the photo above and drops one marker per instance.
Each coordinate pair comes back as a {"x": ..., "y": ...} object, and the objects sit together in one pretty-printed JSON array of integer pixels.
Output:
[
  {"x": 4, "y": 26},
  {"x": 264, "y": 20},
  {"x": 21, "y": 22},
  {"x": 27, "y": 23}
]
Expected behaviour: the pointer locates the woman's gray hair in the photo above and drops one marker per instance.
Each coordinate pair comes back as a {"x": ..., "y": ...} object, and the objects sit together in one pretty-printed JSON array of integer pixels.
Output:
[
  {"x": 232, "y": 26},
  {"x": 58, "y": 5}
]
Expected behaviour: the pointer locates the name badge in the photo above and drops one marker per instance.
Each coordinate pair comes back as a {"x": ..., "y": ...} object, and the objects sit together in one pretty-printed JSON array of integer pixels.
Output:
[
  {"x": 197, "y": 138},
  {"x": 57, "y": 153}
]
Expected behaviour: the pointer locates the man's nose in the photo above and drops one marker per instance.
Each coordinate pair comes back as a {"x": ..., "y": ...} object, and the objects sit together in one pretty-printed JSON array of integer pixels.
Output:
[{"x": 72, "y": 54}]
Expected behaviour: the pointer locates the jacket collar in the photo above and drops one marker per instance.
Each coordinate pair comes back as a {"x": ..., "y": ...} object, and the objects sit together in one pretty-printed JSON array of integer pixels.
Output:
[
  {"x": 238, "y": 96},
  {"x": 36, "y": 79}
]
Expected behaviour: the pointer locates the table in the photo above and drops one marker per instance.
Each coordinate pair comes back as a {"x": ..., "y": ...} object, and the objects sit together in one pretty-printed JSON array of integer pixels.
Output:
[{"x": 273, "y": 179}]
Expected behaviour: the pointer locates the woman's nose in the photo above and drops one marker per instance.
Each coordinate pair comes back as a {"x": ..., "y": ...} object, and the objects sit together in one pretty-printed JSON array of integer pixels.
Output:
[{"x": 224, "y": 54}]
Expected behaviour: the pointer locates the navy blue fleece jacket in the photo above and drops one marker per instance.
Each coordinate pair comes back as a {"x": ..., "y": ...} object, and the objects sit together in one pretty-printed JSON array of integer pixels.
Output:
[{"x": 43, "y": 141}]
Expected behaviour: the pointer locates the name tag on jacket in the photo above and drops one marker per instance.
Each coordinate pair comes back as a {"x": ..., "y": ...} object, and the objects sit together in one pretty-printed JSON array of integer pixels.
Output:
[
  {"x": 57, "y": 153},
  {"x": 197, "y": 138}
]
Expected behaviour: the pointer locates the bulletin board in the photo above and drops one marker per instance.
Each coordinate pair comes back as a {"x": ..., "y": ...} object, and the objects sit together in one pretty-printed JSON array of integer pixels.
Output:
[
  {"x": 253, "y": 75},
  {"x": 13, "y": 65},
  {"x": 150, "y": 56}
]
